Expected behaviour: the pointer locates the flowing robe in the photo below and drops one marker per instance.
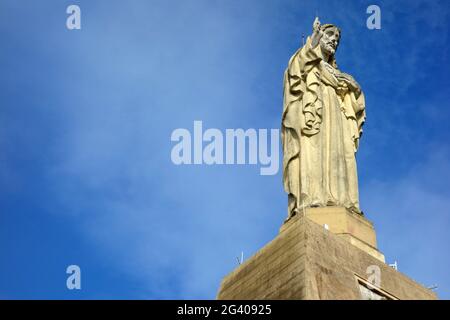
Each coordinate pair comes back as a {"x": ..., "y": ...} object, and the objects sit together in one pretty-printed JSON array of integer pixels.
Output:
[{"x": 320, "y": 131}]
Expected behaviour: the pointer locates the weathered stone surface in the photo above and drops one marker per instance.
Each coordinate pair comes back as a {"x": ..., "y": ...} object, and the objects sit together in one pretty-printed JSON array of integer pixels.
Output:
[
  {"x": 351, "y": 226},
  {"x": 280, "y": 264},
  {"x": 306, "y": 261}
]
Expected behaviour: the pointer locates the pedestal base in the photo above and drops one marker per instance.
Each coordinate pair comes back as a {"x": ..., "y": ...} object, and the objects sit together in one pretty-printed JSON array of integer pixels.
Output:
[
  {"x": 306, "y": 261},
  {"x": 353, "y": 227}
]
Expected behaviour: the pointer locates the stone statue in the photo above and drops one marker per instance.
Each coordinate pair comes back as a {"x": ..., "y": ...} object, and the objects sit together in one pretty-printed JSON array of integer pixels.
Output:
[{"x": 323, "y": 114}]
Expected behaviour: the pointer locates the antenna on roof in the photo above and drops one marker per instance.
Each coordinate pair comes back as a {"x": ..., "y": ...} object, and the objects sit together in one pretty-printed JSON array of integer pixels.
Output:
[
  {"x": 241, "y": 259},
  {"x": 394, "y": 265}
]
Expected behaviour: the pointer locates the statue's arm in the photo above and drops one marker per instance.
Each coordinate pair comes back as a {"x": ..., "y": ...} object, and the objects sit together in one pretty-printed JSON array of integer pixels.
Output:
[
  {"x": 308, "y": 56},
  {"x": 302, "y": 62}
]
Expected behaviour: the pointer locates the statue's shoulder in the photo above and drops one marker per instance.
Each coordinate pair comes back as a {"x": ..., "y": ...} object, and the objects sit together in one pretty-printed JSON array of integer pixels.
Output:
[
  {"x": 294, "y": 60},
  {"x": 295, "y": 55}
]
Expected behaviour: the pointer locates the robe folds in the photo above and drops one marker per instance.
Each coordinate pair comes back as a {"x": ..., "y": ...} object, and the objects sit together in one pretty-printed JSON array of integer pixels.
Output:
[{"x": 321, "y": 127}]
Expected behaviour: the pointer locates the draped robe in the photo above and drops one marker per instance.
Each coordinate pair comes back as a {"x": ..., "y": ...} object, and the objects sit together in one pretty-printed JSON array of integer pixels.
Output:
[{"x": 320, "y": 132}]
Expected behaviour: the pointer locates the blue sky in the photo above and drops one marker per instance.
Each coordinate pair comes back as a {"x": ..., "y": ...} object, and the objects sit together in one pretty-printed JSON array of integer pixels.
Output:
[{"x": 86, "y": 118}]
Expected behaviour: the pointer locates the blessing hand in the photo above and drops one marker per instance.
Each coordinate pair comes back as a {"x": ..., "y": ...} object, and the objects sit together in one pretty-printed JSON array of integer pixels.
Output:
[
  {"x": 317, "y": 33},
  {"x": 349, "y": 81}
]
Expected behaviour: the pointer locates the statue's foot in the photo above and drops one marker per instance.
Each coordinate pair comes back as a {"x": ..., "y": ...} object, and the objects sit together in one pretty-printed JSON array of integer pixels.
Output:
[
  {"x": 292, "y": 214},
  {"x": 296, "y": 211},
  {"x": 356, "y": 210}
]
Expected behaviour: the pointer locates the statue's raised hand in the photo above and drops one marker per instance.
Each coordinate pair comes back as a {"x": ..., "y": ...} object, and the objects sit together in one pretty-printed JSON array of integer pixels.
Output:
[
  {"x": 316, "y": 25},
  {"x": 317, "y": 33}
]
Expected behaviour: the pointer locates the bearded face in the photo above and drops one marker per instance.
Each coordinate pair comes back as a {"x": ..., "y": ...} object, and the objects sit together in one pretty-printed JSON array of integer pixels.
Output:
[{"x": 330, "y": 40}]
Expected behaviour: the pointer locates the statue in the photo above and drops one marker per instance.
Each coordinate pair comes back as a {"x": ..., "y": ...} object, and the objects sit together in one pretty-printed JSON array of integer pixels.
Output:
[{"x": 323, "y": 114}]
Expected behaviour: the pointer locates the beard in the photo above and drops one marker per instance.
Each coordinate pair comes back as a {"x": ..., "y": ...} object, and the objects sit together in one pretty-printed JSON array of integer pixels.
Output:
[{"x": 328, "y": 48}]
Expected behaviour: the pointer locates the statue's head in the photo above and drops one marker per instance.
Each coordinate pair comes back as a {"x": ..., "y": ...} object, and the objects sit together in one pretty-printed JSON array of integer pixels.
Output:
[{"x": 330, "y": 38}]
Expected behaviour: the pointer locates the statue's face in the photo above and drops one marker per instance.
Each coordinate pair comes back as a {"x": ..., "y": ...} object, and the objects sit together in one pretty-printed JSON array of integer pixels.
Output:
[{"x": 330, "y": 40}]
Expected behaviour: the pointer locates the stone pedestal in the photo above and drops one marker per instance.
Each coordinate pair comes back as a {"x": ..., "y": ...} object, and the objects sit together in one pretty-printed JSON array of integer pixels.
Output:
[
  {"x": 307, "y": 261},
  {"x": 353, "y": 227}
]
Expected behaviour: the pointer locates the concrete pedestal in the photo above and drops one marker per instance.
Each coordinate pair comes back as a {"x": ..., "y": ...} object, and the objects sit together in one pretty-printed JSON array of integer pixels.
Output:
[{"x": 307, "y": 261}]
